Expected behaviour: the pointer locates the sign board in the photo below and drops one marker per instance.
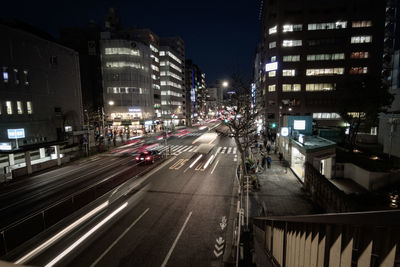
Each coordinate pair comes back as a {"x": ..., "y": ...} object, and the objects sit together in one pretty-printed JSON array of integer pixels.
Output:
[
  {"x": 271, "y": 66},
  {"x": 5, "y": 146},
  {"x": 16, "y": 133},
  {"x": 284, "y": 131},
  {"x": 299, "y": 124}
]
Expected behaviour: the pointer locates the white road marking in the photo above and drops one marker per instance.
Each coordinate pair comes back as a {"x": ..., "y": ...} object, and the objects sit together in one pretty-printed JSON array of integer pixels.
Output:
[
  {"x": 176, "y": 241},
  {"x": 119, "y": 238},
  {"x": 229, "y": 150},
  {"x": 193, "y": 149},
  {"x": 215, "y": 166},
  {"x": 223, "y": 150},
  {"x": 234, "y": 150},
  {"x": 187, "y": 149}
]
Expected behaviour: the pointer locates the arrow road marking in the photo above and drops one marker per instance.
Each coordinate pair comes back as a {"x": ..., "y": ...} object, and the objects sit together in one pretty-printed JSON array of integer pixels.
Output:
[
  {"x": 217, "y": 254},
  {"x": 223, "y": 225},
  {"x": 220, "y": 241},
  {"x": 218, "y": 248}
]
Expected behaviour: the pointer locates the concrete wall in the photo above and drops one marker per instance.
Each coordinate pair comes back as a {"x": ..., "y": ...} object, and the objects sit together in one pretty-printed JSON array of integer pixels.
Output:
[{"x": 368, "y": 180}]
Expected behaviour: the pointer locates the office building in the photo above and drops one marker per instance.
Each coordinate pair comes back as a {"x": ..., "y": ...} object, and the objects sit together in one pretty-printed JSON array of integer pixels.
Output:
[
  {"x": 196, "y": 91},
  {"x": 311, "y": 48},
  {"x": 40, "y": 89},
  {"x": 172, "y": 75}
]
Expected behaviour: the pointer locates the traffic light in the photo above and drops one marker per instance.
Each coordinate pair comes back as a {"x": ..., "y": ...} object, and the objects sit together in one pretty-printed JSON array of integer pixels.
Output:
[
  {"x": 273, "y": 125},
  {"x": 226, "y": 121}
]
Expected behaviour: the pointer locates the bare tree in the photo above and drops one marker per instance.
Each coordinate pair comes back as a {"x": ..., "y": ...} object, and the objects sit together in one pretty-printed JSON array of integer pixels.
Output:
[{"x": 239, "y": 117}]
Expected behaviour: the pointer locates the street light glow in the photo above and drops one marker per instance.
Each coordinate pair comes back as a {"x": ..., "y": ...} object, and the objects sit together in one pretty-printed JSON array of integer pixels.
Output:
[
  {"x": 111, "y": 103},
  {"x": 225, "y": 84}
]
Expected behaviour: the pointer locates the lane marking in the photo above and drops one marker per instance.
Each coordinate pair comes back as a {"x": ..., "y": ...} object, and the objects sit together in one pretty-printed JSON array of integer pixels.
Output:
[
  {"x": 60, "y": 234},
  {"x": 229, "y": 150},
  {"x": 119, "y": 238},
  {"x": 208, "y": 161},
  {"x": 215, "y": 166},
  {"x": 86, "y": 235},
  {"x": 234, "y": 150},
  {"x": 196, "y": 160},
  {"x": 176, "y": 241},
  {"x": 179, "y": 164},
  {"x": 223, "y": 150}
]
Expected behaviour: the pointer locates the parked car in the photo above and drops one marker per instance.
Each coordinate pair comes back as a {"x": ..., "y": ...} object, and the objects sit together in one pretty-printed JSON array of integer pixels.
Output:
[{"x": 148, "y": 156}]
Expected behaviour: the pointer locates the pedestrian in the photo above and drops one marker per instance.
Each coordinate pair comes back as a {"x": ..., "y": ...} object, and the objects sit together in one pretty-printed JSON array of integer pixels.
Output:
[
  {"x": 268, "y": 148},
  {"x": 265, "y": 142},
  {"x": 280, "y": 156},
  {"x": 269, "y": 160},
  {"x": 264, "y": 160}
]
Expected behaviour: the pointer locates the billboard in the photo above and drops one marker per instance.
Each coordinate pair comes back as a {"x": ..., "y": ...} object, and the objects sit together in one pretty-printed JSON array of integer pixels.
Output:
[
  {"x": 16, "y": 133},
  {"x": 299, "y": 124},
  {"x": 271, "y": 66}
]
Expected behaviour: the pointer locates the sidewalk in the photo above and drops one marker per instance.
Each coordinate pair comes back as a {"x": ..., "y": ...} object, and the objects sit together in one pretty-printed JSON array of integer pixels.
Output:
[{"x": 280, "y": 193}]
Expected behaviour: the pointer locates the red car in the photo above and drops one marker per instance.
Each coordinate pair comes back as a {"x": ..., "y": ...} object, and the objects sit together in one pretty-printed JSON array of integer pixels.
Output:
[{"x": 148, "y": 156}]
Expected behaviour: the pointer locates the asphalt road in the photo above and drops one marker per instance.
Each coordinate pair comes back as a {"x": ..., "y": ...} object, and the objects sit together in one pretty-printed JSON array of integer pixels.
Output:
[{"x": 177, "y": 215}]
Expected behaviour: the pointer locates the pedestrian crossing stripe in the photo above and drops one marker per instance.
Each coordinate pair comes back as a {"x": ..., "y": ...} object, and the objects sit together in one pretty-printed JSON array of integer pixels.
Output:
[{"x": 178, "y": 149}]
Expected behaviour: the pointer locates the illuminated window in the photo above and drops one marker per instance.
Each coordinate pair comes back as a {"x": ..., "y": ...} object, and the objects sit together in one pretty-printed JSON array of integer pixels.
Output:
[
  {"x": 316, "y": 57},
  {"x": 292, "y": 27},
  {"x": 359, "y": 55},
  {"x": 291, "y": 58},
  {"x": 327, "y": 26},
  {"x": 272, "y": 30},
  {"x": 9, "y": 107},
  {"x": 122, "y": 51},
  {"x": 272, "y": 73},
  {"x": 5, "y": 75},
  {"x": 361, "y": 39},
  {"x": 320, "y": 86},
  {"x": 16, "y": 76},
  {"x": 358, "y": 70},
  {"x": 162, "y": 53},
  {"x": 29, "y": 107},
  {"x": 19, "y": 107},
  {"x": 272, "y": 45},
  {"x": 154, "y": 77},
  {"x": 361, "y": 24},
  {"x": 273, "y": 58},
  {"x": 290, "y": 72},
  {"x": 173, "y": 57},
  {"x": 124, "y": 64},
  {"x": 156, "y": 86},
  {"x": 326, "y": 116},
  {"x": 321, "y": 72},
  {"x": 272, "y": 88},
  {"x": 291, "y": 43},
  {"x": 154, "y": 67},
  {"x": 154, "y": 49},
  {"x": 295, "y": 87}
]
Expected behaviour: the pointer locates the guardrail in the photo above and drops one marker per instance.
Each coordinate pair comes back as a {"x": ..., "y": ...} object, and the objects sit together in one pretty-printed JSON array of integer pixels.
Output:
[{"x": 26, "y": 228}]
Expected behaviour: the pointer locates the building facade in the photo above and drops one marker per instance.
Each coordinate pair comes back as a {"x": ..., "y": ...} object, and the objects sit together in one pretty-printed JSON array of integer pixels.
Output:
[
  {"x": 40, "y": 88},
  {"x": 196, "y": 91},
  {"x": 310, "y": 47},
  {"x": 172, "y": 75}
]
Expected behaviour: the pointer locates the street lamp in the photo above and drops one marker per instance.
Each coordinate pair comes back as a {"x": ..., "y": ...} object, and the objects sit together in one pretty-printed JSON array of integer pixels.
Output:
[
  {"x": 111, "y": 103},
  {"x": 225, "y": 84}
]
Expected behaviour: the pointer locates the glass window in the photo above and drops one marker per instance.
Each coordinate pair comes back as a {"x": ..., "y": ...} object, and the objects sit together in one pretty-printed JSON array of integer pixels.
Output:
[
  {"x": 292, "y": 27},
  {"x": 273, "y": 29},
  {"x": 122, "y": 51},
  {"x": 290, "y": 72},
  {"x": 291, "y": 87},
  {"x": 320, "y": 72},
  {"x": 154, "y": 49},
  {"x": 19, "y": 107},
  {"x": 291, "y": 43},
  {"x": 361, "y": 39},
  {"x": 272, "y": 88},
  {"x": 9, "y": 107},
  {"x": 5, "y": 74},
  {"x": 327, "y": 26},
  {"x": 336, "y": 56},
  {"x": 162, "y": 53},
  {"x": 26, "y": 81},
  {"x": 273, "y": 58},
  {"x": 272, "y": 73},
  {"x": 361, "y": 24},
  {"x": 272, "y": 45},
  {"x": 358, "y": 70},
  {"x": 291, "y": 58},
  {"x": 359, "y": 55},
  {"x": 320, "y": 86},
  {"x": 29, "y": 107}
]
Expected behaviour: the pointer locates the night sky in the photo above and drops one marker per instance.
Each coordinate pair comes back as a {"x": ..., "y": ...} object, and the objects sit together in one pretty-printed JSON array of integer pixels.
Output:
[{"x": 220, "y": 36}]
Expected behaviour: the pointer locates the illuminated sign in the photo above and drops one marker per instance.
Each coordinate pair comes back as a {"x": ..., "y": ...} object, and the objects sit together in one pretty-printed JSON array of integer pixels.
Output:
[
  {"x": 16, "y": 133},
  {"x": 284, "y": 131},
  {"x": 5, "y": 146},
  {"x": 301, "y": 138},
  {"x": 299, "y": 124},
  {"x": 134, "y": 110},
  {"x": 271, "y": 66}
]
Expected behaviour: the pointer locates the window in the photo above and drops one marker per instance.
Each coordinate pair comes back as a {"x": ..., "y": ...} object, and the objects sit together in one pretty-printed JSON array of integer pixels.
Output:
[
  {"x": 358, "y": 70},
  {"x": 288, "y": 72},
  {"x": 290, "y": 43},
  {"x": 5, "y": 74},
  {"x": 272, "y": 30},
  {"x": 272, "y": 45},
  {"x": 154, "y": 77},
  {"x": 16, "y": 76},
  {"x": 19, "y": 107},
  {"x": 173, "y": 57},
  {"x": 9, "y": 107},
  {"x": 361, "y": 24},
  {"x": 320, "y": 86},
  {"x": 327, "y": 116},
  {"x": 26, "y": 81},
  {"x": 162, "y": 53},
  {"x": 124, "y": 64},
  {"x": 295, "y": 87},
  {"x": 361, "y": 39},
  {"x": 316, "y": 57},
  {"x": 29, "y": 107},
  {"x": 122, "y": 51},
  {"x": 156, "y": 86},
  {"x": 327, "y": 26},
  {"x": 291, "y": 58},
  {"x": 359, "y": 55},
  {"x": 154, "y": 49},
  {"x": 292, "y": 27},
  {"x": 154, "y": 67},
  {"x": 272, "y": 88},
  {"x": 273, "y": 58},
  {"x": 272, "y": 73},
  {"x": 320, "y": 72}
]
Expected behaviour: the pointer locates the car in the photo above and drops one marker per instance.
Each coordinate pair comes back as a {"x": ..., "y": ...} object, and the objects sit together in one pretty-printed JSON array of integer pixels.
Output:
[{"x": 148, "y": 156}]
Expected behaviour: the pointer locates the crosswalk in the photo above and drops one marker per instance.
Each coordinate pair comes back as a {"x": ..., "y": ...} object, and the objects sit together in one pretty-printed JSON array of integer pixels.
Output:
[
  {"x": 194, "y": 134},
  {"x": 178, "y": 149}
]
